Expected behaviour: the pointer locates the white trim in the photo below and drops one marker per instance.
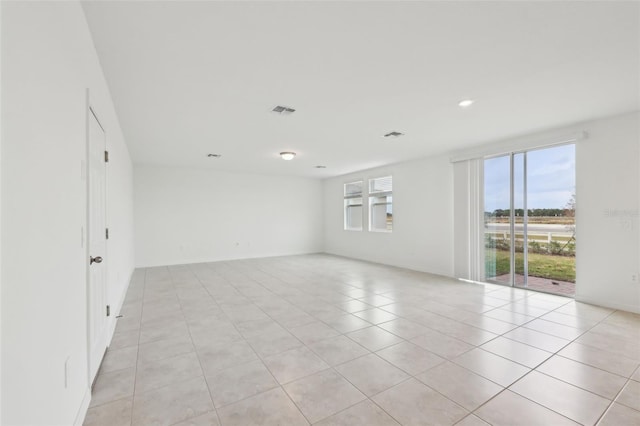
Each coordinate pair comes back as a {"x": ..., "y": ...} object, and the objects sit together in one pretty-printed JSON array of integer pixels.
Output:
[
  {"x": 90, "y": 112},
  {"x": 509, "y": 146},
  {"x": 86, "y": 236},
  {"x": 512, "y": 221},
  {"x": 0, "y": 228},
  {"x": 607, "y": 304},
  {"x": 84, "y": 407},
  {"x": 112, "y": 322}
]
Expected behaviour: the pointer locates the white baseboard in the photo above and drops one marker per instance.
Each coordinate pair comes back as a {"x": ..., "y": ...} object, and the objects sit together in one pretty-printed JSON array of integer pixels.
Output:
[
  {"x": 578, "y": 298},
  {"x": 608, "y": 304},
  {"x": 84, "y": 407}
]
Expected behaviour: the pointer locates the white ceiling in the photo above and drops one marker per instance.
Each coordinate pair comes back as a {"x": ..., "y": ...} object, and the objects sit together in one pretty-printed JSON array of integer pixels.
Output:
[{"x": 192, "y": 78}]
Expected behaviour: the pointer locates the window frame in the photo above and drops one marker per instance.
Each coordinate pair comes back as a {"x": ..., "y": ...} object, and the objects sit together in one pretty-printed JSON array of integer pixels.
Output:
[
  {"x": 372, "y": 195},
  {"x": 346, "y": 205}
]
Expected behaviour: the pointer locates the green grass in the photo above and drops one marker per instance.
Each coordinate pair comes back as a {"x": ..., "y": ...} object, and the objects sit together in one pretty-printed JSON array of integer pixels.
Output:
[{"x": 562, "y": 268}]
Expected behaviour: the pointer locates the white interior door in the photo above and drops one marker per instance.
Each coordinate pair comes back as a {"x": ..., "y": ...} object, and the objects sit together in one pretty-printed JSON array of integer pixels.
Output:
[{"x": 97, "y": 245}]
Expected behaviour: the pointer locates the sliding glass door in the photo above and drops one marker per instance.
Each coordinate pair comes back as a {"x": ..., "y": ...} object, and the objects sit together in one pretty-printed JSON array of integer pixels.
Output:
[
  {"x": 497, "y": 219},
  {"x": 520, "y": 219},
  {"x": 529, "y": 219}
]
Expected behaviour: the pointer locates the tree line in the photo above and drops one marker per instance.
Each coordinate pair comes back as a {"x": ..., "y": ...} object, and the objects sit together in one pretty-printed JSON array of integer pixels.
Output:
[{"x": 530, "y": 212}]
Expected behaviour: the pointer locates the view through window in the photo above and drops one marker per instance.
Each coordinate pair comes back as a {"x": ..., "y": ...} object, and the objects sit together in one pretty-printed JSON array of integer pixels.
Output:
[
  {"x": 529, "y": 219},
  {"x": 353, "y": 206},
  {"x": 381, "y": 204}
]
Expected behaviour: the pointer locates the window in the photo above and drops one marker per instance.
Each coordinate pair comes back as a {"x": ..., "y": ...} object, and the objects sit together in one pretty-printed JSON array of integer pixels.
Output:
[
  {"x": 353, "y": 206},
  {"x": 381, "y": 204}
]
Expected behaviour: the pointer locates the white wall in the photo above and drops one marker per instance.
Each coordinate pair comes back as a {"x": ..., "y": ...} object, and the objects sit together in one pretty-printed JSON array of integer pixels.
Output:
[
  {"x": 48, "y": 62},
  {"x": 607, "y": 179},
  {"x": 422, "y": 237},
  {"x": 607, "y": 203},
  {"x": 189, "y": 215},
  {"x": 1, "y": 133}
]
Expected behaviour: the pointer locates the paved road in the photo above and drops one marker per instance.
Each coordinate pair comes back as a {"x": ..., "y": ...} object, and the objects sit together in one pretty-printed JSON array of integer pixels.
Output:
[{"x": 533, "y": 228}]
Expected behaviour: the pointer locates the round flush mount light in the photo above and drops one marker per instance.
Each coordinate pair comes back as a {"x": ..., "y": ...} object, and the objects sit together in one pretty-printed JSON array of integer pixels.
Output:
[
  {"x": 287, "y": 155},
  {"x": 465, "y": 103},
  {"x": 214, "y": 155}
]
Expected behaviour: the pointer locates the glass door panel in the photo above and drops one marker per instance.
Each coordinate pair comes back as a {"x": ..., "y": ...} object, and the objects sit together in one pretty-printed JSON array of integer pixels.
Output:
[
  {"x": 519, "y": 219},
  {"x": 529, "y": 219},
  {"x": 550, "y": 180},
  {"x": 497, "y": 220}
]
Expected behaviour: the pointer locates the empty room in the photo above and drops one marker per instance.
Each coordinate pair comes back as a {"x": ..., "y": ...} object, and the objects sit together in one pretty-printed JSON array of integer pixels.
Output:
[{"x": 319, "y": 213}]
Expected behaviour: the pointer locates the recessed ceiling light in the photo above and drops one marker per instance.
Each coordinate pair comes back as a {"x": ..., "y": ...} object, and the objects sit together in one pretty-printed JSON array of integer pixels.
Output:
[
  {"x": 465, "y": 103},
  {"x": 214, "y": 155},
  {"x": 287, "y": 155},
  {"x": 393, "y": 135},
  {"x": 283, "y": 110},
  {"x": 321, "y": 167}
]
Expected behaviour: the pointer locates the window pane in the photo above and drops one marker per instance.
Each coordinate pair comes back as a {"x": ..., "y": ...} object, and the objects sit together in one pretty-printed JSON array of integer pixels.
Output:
[
  {"x": 381, "y": 213},
  {"x": 353, "y": 206},
  {"x": 353, "y": 214},
  {"x": 497, "y": 219},
  {"x": 353, "y": 189},
  {"x": 384, "y": 184},
  {"x": 381, "y": 204}
]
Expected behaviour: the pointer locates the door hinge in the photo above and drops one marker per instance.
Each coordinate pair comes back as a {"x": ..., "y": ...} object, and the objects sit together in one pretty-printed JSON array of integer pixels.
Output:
[
  {"x": 108, "y": 310},
  {"x": 106, "y": 233},
  {"x": 106, "y": 156}
]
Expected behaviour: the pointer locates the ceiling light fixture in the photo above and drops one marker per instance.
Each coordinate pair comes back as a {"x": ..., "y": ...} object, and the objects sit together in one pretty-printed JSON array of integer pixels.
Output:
[
  {"x": 465, "y": 103},
  {"x": 393, "y": 135},
  {"x": 214, "y": 155},
  {"x": 287, "y": 155}
]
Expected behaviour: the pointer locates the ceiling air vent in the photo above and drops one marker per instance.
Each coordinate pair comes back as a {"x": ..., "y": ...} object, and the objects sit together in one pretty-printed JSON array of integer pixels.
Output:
[
  {"x": 393, "y": 135},
  {"x": 279, "y": 109}
]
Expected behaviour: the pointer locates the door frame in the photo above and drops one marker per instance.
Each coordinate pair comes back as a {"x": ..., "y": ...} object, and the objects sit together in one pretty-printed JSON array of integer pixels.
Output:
[
  {"x": 90, "y": 110},
  {"x": 512, "y": 208},
  {"x": 512, "y": 216}
]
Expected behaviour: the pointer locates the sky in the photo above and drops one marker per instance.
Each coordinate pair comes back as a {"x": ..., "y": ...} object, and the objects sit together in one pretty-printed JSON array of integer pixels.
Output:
[{"x": 550, "y": 179}]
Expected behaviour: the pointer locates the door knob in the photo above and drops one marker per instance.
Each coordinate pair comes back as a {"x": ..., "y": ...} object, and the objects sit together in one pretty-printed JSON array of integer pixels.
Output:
[{"x": 96, "y": 259}]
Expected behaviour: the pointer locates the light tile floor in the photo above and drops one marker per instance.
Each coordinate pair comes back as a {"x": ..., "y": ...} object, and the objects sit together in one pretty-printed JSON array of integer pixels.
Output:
[{"x": 326, "y": 340}]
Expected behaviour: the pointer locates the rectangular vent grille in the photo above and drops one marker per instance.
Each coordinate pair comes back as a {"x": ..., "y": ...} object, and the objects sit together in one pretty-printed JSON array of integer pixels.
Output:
[
  {"x": 393, "y": 135},
  {"x": 283, "y": 110}
]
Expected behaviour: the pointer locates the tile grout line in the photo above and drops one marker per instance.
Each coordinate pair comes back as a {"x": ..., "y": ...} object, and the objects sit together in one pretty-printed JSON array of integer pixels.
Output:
[
  {"x": 253, "y": 300},
  {"x": 613, "y": 401},
  {"x": 281, "y": 385},
  {"x": 135, "y": 371},
  {"x": 535, "y": 369},
  {"x": 261, "y": 360},
  {"x": 197, "y": 356}
]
